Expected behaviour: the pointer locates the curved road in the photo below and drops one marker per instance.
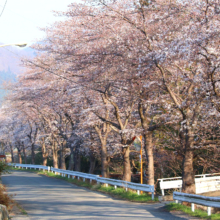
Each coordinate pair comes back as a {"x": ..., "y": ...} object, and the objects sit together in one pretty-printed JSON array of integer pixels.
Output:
[{"x": 47, "y": 198}]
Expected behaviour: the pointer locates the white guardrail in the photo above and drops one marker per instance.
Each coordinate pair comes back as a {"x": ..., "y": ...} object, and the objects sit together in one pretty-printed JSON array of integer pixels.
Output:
[
  {"x": 197, "y": 199},
  {"x": 39, "y": 167},
  {"x": 204, "y": 183},
  {"x": 106, "y": 181}
]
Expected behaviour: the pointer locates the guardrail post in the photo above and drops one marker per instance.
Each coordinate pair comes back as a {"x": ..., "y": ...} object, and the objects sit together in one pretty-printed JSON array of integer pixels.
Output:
[
  {"x": 162, "y": 190},
  {"x": 48, "y": 169},
  {"x": 78, "y": 177},
  {"x": 73, "y": 177},
  {"x": 209, "y": 211},
  {"x": 126, "y": 189},
  {"x": 90, "y": 181},
  {"x": 138, "y": 192},
  {"x": 68, "y": 176},
  {"x": 83, "y": 179},
  {"x": 192, "y": 207},
  {"x": 106, "y": 185},
  {"x": 152, "y": 195},
  {"x": 115, "y": 187},
  {"x": 176, "y": 201}
]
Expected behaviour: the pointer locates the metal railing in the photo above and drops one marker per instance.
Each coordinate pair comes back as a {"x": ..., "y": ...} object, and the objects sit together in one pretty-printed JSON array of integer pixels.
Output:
[
  {"x": 107, "y": 181},
  {"x": 26, "y": 166},
  {"x": 197, "y": 199}
]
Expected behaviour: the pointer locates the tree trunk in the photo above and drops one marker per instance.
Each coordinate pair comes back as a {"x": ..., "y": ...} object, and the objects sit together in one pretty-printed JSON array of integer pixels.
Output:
[
  {"x": 104, "y": 159},
  {"x": 24, "y": 153},
  {"x": 148, "y": 143},
  {"x": 188, "y": 173},
  {"x": 12, "y": 154},
  {"x": 78, "y": 162},
  {"x": 103, "y": 140},
  {"x": 32, "y": 154},
  {"x": 55, "y": 155},
  {"x": 92, "y": 161},
  {"x": 71, "y": 161},
  {"x": 126, "y": 164},
  {"x": 44, "y": 153},
  {"x": 108, "y": 161},
  {"x": 62, "y": 158},
  {"x": 19, "y": 156},
  {"x": 150, "y": 157}
]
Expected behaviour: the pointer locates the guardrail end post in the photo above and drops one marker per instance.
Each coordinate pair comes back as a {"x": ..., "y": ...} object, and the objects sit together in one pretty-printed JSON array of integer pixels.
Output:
[
  {"x": 152, "y": 195},
  {"x": 192, "y": 207},
  {"x": 209, "y": 211}
]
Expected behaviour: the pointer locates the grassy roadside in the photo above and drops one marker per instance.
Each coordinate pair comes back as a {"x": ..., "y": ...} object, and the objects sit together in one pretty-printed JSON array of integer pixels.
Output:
[
  {"x": 23, "y": 212},
  {"x": 119, "y": 193},
  {"x": 198, "y": 213}
]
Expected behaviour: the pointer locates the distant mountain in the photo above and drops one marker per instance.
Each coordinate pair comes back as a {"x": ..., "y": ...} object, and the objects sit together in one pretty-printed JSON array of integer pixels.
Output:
[{"x": 11, "y": 65}]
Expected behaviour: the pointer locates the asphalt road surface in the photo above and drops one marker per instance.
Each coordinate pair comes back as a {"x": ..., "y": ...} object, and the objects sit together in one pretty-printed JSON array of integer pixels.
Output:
[{"x": 47, "y": 198}]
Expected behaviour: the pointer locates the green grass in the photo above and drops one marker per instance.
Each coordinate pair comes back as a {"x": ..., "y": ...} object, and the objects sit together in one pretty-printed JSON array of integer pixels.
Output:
[
  {"x": 198, "y": 213},
  {"x": 118, "y": 192},
  {"x": 127, "y": 195}
]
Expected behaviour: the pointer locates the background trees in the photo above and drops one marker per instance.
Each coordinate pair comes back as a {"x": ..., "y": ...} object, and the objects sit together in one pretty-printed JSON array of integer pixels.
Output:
[{"x": 114, "y": 70}]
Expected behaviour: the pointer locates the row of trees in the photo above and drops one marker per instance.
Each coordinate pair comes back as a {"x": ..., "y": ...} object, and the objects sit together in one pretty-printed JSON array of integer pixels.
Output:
[{"x": 116, "y": 69}]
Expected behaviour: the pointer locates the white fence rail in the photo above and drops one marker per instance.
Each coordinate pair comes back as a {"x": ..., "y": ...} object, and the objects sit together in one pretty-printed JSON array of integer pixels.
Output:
[
  {"x": 106, "y": 181},
  {"x": 204, "y": 183},
  {"x": 30, "y": 166},
  {"x": 197, "y": 199},
  {"x": 128, "y": 185}
]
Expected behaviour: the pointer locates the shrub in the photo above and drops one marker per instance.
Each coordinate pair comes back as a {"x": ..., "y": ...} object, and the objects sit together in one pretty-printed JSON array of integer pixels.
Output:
[
  {"x": 3, "y": 167},
  {"x": 5, "y": 199}
]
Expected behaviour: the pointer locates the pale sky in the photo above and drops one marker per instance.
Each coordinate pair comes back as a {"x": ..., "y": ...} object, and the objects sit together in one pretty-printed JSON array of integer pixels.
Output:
[{"x": 21, "y": 18}]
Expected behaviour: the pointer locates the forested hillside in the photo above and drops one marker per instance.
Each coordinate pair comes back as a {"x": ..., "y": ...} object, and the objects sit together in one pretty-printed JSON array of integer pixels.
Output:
[{"x": 11, "y": 65}]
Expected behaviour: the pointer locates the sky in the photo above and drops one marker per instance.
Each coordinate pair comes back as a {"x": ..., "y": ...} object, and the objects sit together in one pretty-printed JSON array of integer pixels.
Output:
[{"x": 21, "y": 19}]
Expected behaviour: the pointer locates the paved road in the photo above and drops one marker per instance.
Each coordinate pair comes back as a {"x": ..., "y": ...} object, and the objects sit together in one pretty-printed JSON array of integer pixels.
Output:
[{"x": 47, "y": 198}]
